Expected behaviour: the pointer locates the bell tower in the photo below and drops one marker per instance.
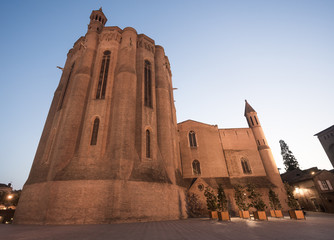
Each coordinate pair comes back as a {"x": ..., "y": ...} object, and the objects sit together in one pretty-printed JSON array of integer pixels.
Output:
[
  {"x": 97, "y": 20},
  {"x": 264, "y": 150}
]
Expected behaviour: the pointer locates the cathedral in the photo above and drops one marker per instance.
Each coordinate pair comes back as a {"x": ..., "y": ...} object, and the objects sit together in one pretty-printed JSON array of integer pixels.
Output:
[{"x": 112, "y": 151}]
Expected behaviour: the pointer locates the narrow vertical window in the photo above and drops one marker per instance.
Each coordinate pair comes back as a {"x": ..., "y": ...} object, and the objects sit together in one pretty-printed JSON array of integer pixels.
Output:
[
  {"x": 102, "y": 83},
  {"x": 148, "y": 144},
  {"x": 256, "y": 120},
  {"x": 252, "y": 121},
  {"x": 258, "y": 142},
  {"x": 192, "y": 139},
  {"x": 196, "y": 167},
  {"x": 245, "y": 166},
  {"x": 147, "y": 85},
  {"x": 65, "y": 89},
  {"x": 95, "y": 131}
]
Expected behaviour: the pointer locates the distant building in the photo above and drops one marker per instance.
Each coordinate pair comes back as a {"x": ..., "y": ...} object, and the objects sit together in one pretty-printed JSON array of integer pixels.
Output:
[
  {"x": 326, "y": 138},
  {"x": 5, "y": 189},
  {"x": 313, "y": 188}
]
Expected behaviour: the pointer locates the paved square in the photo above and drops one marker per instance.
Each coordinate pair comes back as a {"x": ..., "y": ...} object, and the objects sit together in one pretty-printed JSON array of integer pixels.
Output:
[{"x": 318, "y": 226}]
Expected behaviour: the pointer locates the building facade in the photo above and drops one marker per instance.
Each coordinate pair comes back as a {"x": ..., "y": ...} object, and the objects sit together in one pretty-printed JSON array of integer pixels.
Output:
[
  {"x": 326, "y": 138},
  {"x": 211, "y": 156},
  {"x": 111, "y": 149},
  {"x": 313, "y": 188}
]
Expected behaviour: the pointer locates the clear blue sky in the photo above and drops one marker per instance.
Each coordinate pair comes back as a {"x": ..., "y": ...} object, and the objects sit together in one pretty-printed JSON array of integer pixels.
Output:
[{"x": 279, "y": 55}]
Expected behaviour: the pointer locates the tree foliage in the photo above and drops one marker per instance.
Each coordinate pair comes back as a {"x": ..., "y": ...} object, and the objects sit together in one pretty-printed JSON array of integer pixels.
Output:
[
  {"x": 292, "y": 202},
  {"x": 222, "y": 199},
  {"x": 289, "y": 160},
  {"x": 240, "y": 197},
  {"x": 255, "y": 198},
  {"x": 194, "y": 206},
  {"x": 274, "y": 201},
  {"x": 211, "y": 199}
]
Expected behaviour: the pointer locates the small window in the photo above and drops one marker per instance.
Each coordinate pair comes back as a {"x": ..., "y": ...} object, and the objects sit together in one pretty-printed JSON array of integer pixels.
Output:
[
  {"x": 258, "y": 142},
  {"x": 256, "y": 120},
  {"x": 192, "y": 139},
  {"x": 264, "y": 142},
  {"x": 102, "y": 83},
  {"x": 147, "y": 84},
  {"x": 323, "y": 185},
  {"x": 95, "y": 131},
  {"x": 200, "y": 187},
  {"x": 252, "y": 121},
  {"x": 245, "y": 166},
  {"x": 66, "y": 86},
  {"x": 148, "y": 144},
  {"x": 196, "y": 167}
]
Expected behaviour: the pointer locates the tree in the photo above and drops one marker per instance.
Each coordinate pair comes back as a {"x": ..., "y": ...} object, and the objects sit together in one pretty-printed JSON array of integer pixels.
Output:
[
  {"x": 240, "y": 197},
  {"x": 194, "y": 206},
  {"x": 292, "y": 202},
  {"x": 256, "y": 198},
  {"x": 211, "y": 199},
  {"x": 222, "y": 200},
  {"x": 289, "y": 160},
  {"x": 274, "y": 201}
]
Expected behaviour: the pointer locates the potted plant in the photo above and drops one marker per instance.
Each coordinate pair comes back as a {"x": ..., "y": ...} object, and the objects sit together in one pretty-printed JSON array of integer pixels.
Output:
[
  {"x": 240, "y": 200},
  {"x": 211, "y": 202},
  {"x": 223, "y": 214},
  {"x": 294, "y": 212},
  {"x": 275, "y": 205},
  {"x": 256, "y": 202}
]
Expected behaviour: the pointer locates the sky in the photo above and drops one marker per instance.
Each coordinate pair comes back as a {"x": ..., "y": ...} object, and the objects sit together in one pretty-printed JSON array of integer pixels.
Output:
[{"x": 279, "y": 55}]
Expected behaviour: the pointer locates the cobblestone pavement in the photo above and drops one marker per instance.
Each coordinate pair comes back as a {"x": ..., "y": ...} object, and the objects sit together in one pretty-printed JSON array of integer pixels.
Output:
[{"x": 317, "y": 226}]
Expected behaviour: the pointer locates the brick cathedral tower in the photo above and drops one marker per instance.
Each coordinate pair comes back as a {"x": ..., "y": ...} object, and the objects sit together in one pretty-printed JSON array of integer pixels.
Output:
[
  {"x": 266, "y": 155},
  {"x": 109, "y": 150}
]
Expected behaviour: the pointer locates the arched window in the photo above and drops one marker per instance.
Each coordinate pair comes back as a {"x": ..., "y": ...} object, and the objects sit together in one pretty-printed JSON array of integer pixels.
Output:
[
  {"x": 148, "y": 85},
  {"x": 245, "y": 166},
  {"x": 102, "y": 84},
  {"x": 252, "y": 121},
  {"x": 95, "y": 131},
  {"x": 192, "y": 139},
  {"x": 196, "y": 167},
  {"x": 66, "y": 86},
  {"x": 256, "y": 120},
  {"x": 148, "y": 143}
]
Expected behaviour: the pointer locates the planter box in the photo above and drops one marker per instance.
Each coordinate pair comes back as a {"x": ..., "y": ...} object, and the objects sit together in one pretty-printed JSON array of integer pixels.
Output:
[
  {"x": 276, "y": 213},
  {"x": 260, "y": 215},
  {"x": 297, "y": 214},
  {"x": 279, "y": 214},
  {"x": 272, "y": 213},
  {"x": 224, "y": 216},
  {"x": 213, "y": 214},
  {"x": 244, "y": 214}
]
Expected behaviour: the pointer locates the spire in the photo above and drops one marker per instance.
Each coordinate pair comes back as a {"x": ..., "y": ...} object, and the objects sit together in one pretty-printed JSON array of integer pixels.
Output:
[{"x": 248, "y": 108}]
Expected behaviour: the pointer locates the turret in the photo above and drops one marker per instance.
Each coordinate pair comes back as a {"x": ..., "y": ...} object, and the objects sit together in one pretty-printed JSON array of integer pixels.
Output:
[
  {"x": 265, "y": 153},
  {"x": 97, "y": 20},
  {"x": 263, "y": 147}
]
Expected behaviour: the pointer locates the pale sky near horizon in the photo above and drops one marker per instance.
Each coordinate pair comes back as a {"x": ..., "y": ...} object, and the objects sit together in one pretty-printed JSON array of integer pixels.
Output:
[{"x": 279, "y": 55}]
